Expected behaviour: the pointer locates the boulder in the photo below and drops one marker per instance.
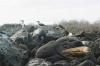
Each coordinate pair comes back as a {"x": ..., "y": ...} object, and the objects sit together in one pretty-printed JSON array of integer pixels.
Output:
[
  {"x": 96, "y": 47},
  {"x": 38, "y": 62},
  {"x": 14, "y": 55},
  {"x": 61, "y": 63},
  {"x": 86, "y": 63},
  {"x": 24, "y": 38},
  {"x": 98, "y": 60},
  {"x": 40, "y": 33},
  {"x": 97, "y": 65}
]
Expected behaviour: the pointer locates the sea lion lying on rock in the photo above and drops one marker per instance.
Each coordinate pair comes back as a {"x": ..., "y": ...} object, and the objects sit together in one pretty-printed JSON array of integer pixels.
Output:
[{"x": 54, "y": 49}]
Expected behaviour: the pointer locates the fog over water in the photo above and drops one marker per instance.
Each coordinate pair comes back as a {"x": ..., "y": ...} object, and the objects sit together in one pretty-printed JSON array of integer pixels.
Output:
[{"x": 48, "y": 11}]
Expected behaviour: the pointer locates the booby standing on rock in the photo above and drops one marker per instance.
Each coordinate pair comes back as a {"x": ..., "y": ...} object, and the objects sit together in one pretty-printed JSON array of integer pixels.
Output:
[
  {"x": 62, "y": 28},
  {"x": 22, "y": 24},
  {"x": 40, "y": 24}
]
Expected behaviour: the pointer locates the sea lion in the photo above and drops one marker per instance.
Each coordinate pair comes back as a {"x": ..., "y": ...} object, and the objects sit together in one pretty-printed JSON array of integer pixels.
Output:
[
  {"x": 53, "y": 49},
  {"x": 77, "y": 51}
]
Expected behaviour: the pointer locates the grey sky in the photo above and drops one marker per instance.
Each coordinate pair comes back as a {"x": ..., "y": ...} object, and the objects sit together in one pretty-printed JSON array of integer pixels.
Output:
[{"x": 48, "y": 11}]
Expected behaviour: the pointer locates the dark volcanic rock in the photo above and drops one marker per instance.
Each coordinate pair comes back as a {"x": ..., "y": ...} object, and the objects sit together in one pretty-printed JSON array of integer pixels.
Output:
[
  {"x": 38, "y": 62},
  {"x": 96, "y": 47},
  {"x": 46, "y": 48},
  {"x": 61, "y": 63},
  {"x": 98, "y": 60},
  {"x": 78, "y": 60},
  {"x": 68, "y": 38},
  {"x": 86, "y": 63},
  {"x": 14, "y": 55},
  {"x": 39, "y": 34},
  {"x": 24, "y": 38},
  {"x": 97, "y": 65}
]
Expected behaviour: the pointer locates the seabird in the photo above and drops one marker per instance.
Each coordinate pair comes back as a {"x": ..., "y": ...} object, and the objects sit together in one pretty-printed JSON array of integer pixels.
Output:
[
  {"x": 63, "y": 28},
  {"x": 60, "y": 26},
  {"x": 40, "y": 24},
  {"x": 22, "y": 23}
]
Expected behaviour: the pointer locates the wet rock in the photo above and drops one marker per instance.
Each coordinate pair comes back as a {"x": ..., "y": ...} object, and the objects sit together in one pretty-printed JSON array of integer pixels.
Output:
[
  {"x": 61, "y": 63},
  {"x": 68, "y": 38},
  {"x": 2, "y": 60},
  {"x": 30, "y": 28},
  {"x": 40, "y": 33},
  {"x": 86, "y": 63},
  {"x": 97, "y": 65},
  {"x": 33, "y": 52},
  {"x": 98, "y": 60},
  {"x": 90, "y": 36},
  {"x": 96, "y": 47},
  {"x": 38, "y": 62},
  {"x": 14, "y": 55},
  {"x": 77, "y": 60},
  {"x": 2, "y": 57},
  {"x": 92, "y": 57},
  {"x": 24, "y": 38},
  {"x": 4, "y": 35},
  {"x": 49, "y": 38}
]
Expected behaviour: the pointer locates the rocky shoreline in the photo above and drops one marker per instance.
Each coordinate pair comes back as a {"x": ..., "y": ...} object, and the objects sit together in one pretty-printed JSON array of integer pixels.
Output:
[{"x": 44, "y": 47}]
